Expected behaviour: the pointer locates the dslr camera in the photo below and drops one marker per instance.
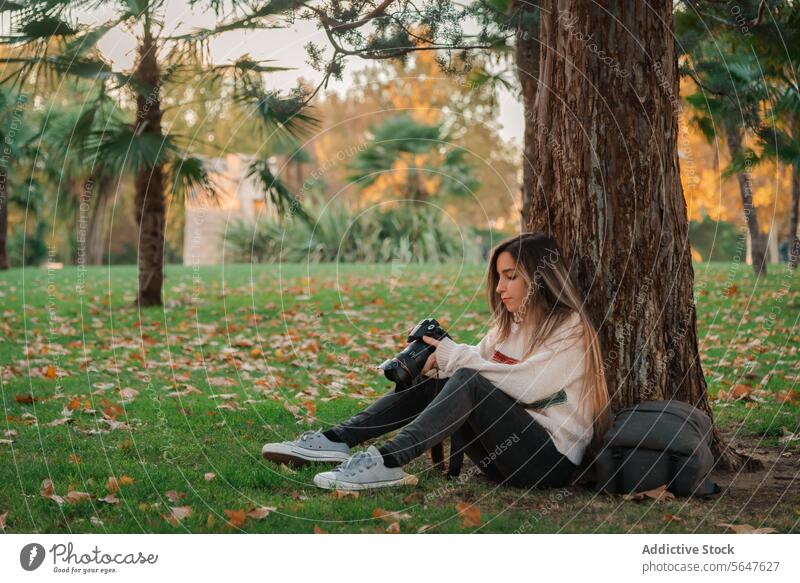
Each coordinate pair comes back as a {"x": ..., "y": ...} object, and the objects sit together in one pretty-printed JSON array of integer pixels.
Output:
[{"x": 407, "y": 366}]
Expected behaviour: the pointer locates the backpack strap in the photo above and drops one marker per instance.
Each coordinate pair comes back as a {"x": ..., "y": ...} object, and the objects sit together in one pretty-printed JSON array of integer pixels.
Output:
[
  {"x": 706, "y": 487},
  {"x": 673, "y": 469},
  {"x": 619, "y": 483}
]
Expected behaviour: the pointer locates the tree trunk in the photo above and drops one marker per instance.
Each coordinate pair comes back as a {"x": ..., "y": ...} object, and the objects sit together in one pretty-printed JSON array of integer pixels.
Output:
[
  {"x": 607, "y": 187},
  {"x": 794, "y": 240},
  {"x": 758, "y": 249},
  {"x": 149, "y": 185},
  {"x": 96, "y": 243},
  {"x": 527, "y": 57},
  {"x": 4, "y": 262}
]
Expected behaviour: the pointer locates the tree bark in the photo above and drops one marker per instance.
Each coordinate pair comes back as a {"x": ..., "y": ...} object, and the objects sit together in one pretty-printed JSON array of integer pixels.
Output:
[
  {"x": 96, "y": 242},
  {"x": 149, "y": 200},
  {"x": 527, "y": 63},
  {"x": 794, "y": 240},
  {"x": 4, "y": 262},
  {"x": 758, "y": 249},
  {"x": 607, "y": 187}
]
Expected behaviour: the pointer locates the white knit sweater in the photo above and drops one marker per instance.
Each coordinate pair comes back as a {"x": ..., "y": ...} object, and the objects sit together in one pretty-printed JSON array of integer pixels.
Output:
[{"x": 556, "y": 365}]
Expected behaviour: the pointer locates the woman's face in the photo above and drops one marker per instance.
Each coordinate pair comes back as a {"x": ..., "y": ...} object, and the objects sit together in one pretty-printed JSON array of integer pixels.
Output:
[{"x": 511, "y": 285}]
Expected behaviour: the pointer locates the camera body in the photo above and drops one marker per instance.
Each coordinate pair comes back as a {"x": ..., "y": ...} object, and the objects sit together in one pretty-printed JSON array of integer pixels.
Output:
[{"x": 407, "y": 365}]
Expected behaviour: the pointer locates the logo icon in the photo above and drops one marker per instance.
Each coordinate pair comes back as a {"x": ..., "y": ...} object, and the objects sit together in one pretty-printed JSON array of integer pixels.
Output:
[{"x": 31, "y": 556}]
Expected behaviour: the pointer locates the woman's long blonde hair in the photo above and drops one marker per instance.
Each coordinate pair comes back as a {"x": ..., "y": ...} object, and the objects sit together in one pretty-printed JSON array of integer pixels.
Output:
[{"x": 550, "y": 301}]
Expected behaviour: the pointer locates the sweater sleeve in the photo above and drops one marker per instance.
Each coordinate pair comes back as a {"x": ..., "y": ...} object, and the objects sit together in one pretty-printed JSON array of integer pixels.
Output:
[
  {"x": 543, "y": 373},
  {"x": 483, "y": 350}
]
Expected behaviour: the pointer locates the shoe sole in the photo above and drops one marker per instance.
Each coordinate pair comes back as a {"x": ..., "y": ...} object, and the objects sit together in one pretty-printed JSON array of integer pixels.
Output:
[
  {"x": 287, "y": 455},
  {"x": 328, "y": 484}
]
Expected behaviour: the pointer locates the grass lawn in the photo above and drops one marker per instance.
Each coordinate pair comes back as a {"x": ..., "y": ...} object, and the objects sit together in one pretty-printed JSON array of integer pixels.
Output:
[{"x": 175, "y": 403}]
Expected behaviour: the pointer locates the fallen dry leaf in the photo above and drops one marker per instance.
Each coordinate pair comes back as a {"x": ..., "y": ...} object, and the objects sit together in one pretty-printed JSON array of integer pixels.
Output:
[
  {"x": 673, "y": 518},
  {"x": 3, "y": 520},
  {"x": 318, "y": 530},
  {"x": 382, "y": 514},
  {"x": 393, "y": 528},
  {"x": 127, "y": 395},
  {"x": 470, "y": 513},
  {"x": 660, "y": 494},
  {"x": 788, "y": 396},
  {"x": 311, "y": 407},
  {"x": 174, "y": 496},
  {"x": 73, "y": 497},
  {"x": 48, "y": 491},
  {"x": 125, "y": 480},
  {"x": 61, "y": 421},
  {"x": 236, "y": 518},
  {"x": 189, "y": 390},
  {"x": 178, "y": 513},
  {"x": 112, "y": 486},
  {"x": 260, "y": 512},
  {"x": 109, "y": 499},
  {"x": 788, "y": 436},
  {"x": 208, "y": 476},
  {"x": 345, "y": 493},
  {"x": 747, "y": 529},
  {"x": 737, "y": 392}
]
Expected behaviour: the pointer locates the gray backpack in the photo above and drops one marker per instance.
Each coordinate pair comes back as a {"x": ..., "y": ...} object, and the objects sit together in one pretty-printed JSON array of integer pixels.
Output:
[{"x": 657, "y": 443}]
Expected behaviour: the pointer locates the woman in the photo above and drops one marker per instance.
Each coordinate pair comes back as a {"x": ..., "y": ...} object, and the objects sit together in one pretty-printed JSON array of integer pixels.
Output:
[{"x": 526, "y": 401}]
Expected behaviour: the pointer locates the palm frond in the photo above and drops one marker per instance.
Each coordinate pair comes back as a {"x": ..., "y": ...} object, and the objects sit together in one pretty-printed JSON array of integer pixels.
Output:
[
  {"x": 120, "y": 147},
  {"x": 278, "y": 192},
  {"x": 743, "y": 162},
  {"x": 39, "y": 28},
  {"x": 189, "y": 179},
  {"x": 275, "y": 110},
  {"x": 262, "y": 16},
  {"x": 776, "y": 144}
]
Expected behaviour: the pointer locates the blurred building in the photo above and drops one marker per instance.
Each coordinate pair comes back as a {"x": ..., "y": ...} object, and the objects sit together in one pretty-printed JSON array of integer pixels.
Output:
[{"x": 239, "y": 198}]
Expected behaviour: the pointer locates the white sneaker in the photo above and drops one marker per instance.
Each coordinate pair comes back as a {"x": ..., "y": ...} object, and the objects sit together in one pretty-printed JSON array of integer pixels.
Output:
[
  {"x": 311, "y": 446},
  {"x": 363, "y": 471}
]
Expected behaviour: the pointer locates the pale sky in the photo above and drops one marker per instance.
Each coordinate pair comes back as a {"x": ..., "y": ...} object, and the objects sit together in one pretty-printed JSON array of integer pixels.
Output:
[{"x": 285, "y": 46}]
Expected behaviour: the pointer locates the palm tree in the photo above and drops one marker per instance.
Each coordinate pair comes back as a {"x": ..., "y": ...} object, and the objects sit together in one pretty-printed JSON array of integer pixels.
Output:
[
  {"x": 727, "y": 103},
  {"x": 416, "y": 158},
  {"x": 47, "y": 37},
  {"x": 16, "y": 137},
  {"x": 82, "y": 191},
  {"x": 780, "y": 142},
  {"x": 777, "y": 42}
]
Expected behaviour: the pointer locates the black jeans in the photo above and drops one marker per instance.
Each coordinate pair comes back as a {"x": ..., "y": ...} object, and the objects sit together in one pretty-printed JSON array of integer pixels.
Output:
[{"x": 500, "y": 436}]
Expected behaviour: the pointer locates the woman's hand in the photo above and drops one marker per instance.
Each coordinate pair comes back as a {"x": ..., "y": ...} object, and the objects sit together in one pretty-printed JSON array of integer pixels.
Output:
[{"x": 430, "y": 364}]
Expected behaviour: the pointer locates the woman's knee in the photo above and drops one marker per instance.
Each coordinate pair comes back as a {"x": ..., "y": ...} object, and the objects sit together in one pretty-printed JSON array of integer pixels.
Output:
[
  {"x": 468, "y": 379},
  {"x": 464, "y": 376}
]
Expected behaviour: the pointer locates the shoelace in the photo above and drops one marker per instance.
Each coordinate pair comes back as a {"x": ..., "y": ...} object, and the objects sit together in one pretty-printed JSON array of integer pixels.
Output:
[
  {"x": 353, "y": 462},
  {"x": 306, "y": 434}
]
